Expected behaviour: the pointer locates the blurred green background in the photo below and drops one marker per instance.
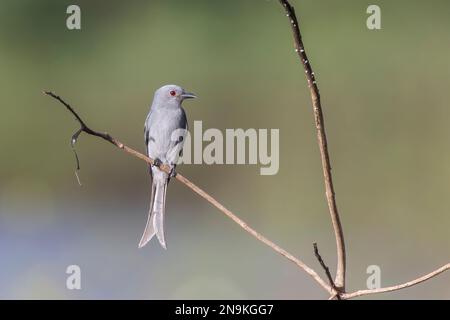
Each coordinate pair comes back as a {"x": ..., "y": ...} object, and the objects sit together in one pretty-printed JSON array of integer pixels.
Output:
[{"x": 385, "y": 95}]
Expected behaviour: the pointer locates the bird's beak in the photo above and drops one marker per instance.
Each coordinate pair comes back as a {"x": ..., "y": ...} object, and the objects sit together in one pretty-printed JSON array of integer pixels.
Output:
[{"x": 188, "y": 95}]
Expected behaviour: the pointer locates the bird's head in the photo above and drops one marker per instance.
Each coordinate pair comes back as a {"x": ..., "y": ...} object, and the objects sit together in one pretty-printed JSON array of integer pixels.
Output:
[{"x": 172, "y": 95}]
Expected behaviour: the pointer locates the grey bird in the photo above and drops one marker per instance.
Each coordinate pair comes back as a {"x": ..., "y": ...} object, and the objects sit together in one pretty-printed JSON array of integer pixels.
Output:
[{"x": 165, "y": 129}]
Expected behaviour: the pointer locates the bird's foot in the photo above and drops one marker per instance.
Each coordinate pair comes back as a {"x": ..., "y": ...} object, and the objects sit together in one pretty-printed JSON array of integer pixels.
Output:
[
  {"x": 172, "y": 172},
  {"x": 157, "y": 163}
]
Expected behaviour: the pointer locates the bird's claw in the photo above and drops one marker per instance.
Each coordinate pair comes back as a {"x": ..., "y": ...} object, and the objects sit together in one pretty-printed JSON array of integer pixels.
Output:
[{"x": 157, "y": 163}]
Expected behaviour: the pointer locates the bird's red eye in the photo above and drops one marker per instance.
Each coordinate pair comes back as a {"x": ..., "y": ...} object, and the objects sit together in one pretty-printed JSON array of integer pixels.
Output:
[{"x": 172, "y": 93}]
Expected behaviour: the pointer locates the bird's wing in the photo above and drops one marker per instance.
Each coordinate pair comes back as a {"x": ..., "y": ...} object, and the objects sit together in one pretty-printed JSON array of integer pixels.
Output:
[
  {"x": 147, "y": 138},
  {"x": 182, "y": 124},
  {"x": 146, "y": 132}
]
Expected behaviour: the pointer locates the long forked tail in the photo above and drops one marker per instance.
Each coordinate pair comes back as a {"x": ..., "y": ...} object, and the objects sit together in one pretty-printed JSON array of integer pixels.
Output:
[{"x": 155, "y": 220}]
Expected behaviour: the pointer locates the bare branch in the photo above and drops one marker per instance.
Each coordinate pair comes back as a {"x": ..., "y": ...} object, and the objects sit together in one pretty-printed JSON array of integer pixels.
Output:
[
  {"x": 322, "y": 139},
  {"x": 196, "y": 189},
  {"x": 408, "y": 284},
  {"x": 336, "y": 288}
]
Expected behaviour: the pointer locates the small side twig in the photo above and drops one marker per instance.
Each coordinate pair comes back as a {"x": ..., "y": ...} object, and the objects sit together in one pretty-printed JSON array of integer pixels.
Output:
[{"x": 327, "y": 272}]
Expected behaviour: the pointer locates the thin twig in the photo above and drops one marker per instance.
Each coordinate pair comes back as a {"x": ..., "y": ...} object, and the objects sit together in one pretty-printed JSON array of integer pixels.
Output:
[
  {"x": 408, "y": 284},
  {"x": 322, "y": 139},
  {"x": 327, "y": 272},
  {"x": 195, "y": 188}
]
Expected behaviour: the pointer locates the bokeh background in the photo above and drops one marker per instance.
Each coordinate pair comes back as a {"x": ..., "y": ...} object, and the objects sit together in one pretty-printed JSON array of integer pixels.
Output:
[{"x": 385, "y": 96}]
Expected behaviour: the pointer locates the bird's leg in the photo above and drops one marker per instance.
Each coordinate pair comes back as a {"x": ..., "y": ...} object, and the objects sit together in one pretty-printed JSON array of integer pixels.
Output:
[{"x": 157, "y": 162}]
